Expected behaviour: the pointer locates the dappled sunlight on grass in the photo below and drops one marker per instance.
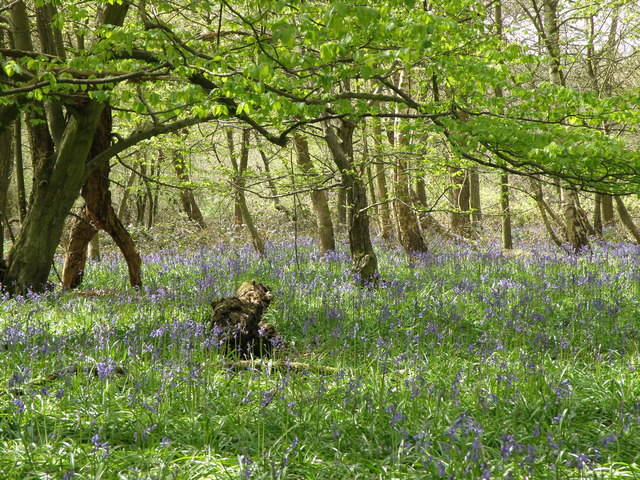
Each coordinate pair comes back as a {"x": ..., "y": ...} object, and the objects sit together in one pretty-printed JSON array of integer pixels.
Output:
[{"x": 466, "y": 363}]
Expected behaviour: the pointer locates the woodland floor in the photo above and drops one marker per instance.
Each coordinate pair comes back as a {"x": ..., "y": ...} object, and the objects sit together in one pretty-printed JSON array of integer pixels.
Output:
[{"x": 468, "y": 363}]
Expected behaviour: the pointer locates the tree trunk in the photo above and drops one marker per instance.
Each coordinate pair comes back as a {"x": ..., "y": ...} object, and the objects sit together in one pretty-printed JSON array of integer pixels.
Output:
[
  {"x": 575, "y": 228},
  {"x": 123, "y": 211},
  {"x": 319, "y": 200},
  {"x": 189, "y": 204},
  {"x": 98, "y": 214},
  {"x": 364, "y": 260},
  {"x": 240, "y": 200},
  {"x": 505, "y": 210},
  {"x": 474, "y": 197},
  {"x": 271, "y": 184},
  {"x": 20, "y": 186},
  {"x": 544, "y": 208},
  {"x": 597, "y": 214},
  {"x": 408, "y": 227},
  {"x": 342, "y": 207},
  {"x": 626, "y": 219},
  {"x": 460, "y": 201},
  {"x": 608, "y": 212},
  {"x": 59, "y": 180},
  {"x": 6, "y": 162},
  {"x": 386, "y": 225}
]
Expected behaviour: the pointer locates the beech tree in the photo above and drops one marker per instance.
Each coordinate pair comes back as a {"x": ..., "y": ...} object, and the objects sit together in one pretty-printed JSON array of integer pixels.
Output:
[{"x": 280, "y": 67}]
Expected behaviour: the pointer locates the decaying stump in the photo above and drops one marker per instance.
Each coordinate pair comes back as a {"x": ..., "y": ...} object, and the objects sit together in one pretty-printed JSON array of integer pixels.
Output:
[{"x": 237, "y": 322}]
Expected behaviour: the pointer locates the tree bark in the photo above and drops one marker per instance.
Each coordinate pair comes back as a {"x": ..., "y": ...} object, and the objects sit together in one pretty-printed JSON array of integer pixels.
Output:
[
  {"x": 626, "y": 219},
  {"x": 363, "y": 257},
  {"x": 98, "y": 214},
  {"x": 505, "y": 210},
  {"x": 6, "y": 162},
  {"x": 240, "y": 200},
  {"x": 597, "y": 214},
  {"x": 408, "y": 227},
  {"x": 544, "y": 208},
  {"x": 608, "y": 212},
  {"x": 319, "y": 200},
  {"x": 189, "y": 204},
  {"x": 20, "y": 186},
  {"x": 58, "y": 178},
  {"x": 475, "y": 197},
  {"x": 386, "y": 225},
  {"x": 460, "y": 201}
]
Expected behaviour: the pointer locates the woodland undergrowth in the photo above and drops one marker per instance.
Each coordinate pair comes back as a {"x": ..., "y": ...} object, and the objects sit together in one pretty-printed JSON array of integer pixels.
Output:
[{"x": 463, "y": 363}]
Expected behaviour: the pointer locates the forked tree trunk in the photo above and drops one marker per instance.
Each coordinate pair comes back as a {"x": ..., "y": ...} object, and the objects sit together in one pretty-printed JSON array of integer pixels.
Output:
[
  {"x": 319, "y": 200},
  {"x": 58, "y": 178},
  {"x": 29, "y": 260},
  {"x": 363, "y": 257},
  {"x": 98, "y": 214}
]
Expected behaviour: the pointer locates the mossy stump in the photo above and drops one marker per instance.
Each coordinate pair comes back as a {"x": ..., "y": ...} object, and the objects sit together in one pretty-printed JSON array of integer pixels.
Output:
[{"x": 237, "y": 323}]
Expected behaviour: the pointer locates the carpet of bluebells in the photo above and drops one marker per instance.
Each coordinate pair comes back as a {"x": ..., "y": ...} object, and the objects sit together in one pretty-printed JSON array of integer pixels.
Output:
[{"x": 465, "y": 363}]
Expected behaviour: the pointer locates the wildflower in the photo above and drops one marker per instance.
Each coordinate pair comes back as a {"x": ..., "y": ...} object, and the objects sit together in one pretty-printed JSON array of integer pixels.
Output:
[{"x": 20, "y": 404}]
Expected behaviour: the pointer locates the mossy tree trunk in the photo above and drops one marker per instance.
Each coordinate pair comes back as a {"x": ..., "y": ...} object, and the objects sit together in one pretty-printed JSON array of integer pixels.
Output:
[
  {"x": 363, "y": 257},
  {"x": 58, "y": 176}
]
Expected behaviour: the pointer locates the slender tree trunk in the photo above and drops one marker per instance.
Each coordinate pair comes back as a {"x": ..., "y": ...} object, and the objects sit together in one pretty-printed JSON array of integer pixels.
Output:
[
  {"x": 20, "y": 187},
  {"x": 364, "y": 260},
  {"x": 475, "y": 197},
  {"x": 342, "y": 206},
  {"x": 460, "y": 201},
  {"x": 271, "y": 184},
  {"x": 189, "y": 204},
  {"x": 240, "y": 200},
  {"x": 505, "y": 207},
  {"x": 6, "y": 163},
  {"x": 319, "y": 200},
  {"x": 544, "y": 208},
  {"x": 626, "y": 219},
  {"x": 123, "y": 211},
  {"x": 505, "y": 210},
  {"x": 384, "y": 212},
  {"x": 427, "y": 222},
  {"x": 238, "y": 181},
  {"x": 597, "y": 214}
]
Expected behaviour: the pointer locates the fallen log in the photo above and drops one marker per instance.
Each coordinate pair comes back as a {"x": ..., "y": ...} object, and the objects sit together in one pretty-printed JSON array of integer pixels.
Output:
[{"x": 237, "y": 325}]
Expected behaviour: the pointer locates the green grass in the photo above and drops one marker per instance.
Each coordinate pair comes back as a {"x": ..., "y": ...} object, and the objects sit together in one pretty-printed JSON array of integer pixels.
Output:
[{"x": 466, "y": 364}]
